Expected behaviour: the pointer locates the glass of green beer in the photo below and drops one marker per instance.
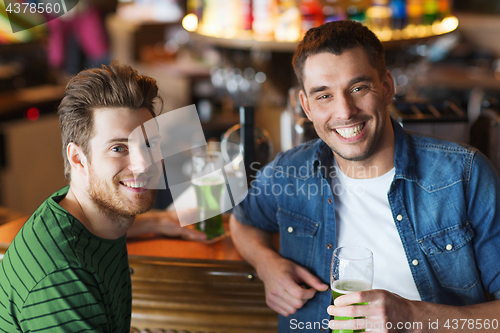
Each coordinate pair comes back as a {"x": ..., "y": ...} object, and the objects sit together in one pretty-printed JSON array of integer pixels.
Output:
[
  {"x": 209, "y": 184},
  {"x": 351, "y": 271}
]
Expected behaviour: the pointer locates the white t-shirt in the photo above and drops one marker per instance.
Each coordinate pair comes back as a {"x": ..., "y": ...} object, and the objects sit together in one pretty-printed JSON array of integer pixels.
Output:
[{"x": 364, "y": 219}]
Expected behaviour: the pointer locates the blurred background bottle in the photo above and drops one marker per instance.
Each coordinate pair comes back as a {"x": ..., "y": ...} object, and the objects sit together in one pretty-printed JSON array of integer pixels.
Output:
[
  {"x": 211, "y": 25},
  {"x": 430, "y": 11},
  {"x": 195, "y": 7},
  {"x": 312, "y": 14},
  {"x": 356, "y": 9},
  {"x": 265, "y": 13},
  {"x": 334, "y": 10},
  {"x": 415, "y": 11},
  {"x": 398, "y": 9},
  {"x": 378, "y": 17},
  {"x": 444, "y": 8},
  {"x": 288, "y": 22},
  {"x": 246, "y": 12}
]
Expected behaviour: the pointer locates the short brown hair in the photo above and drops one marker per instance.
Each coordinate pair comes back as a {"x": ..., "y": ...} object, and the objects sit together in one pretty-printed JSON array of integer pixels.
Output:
[
  {"x": 116, "y": 85},
  {"x": 337, "y": 37}
]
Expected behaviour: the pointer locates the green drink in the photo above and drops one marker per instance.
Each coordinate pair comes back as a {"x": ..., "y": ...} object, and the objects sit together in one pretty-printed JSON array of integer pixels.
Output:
[
  {"x": 209, "y": 196},
  {"x": 351, "y": 271},
  {"x": 342, "y": 287}
]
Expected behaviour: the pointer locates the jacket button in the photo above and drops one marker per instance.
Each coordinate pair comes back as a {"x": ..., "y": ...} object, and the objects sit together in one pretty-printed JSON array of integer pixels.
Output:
[
  {"x": 415, "y": 262},
  {"x": 399, "y": 217},
  {"x": 290, "y": 229},
  {"x": 329, "y": 200},
  {"x": 329, "y": 246},
  {"x": 449, "y": 247}
]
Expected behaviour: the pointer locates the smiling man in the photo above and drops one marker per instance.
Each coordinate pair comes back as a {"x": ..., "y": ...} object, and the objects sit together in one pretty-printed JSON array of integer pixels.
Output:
[
  {"x": 426, "y": 208},
  {"x": 67, "y": 269}
]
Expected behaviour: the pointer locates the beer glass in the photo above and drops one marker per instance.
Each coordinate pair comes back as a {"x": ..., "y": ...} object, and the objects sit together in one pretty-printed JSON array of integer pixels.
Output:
[
  {"x": 208, "y": 182},
  {"x": 351, "y": 271}
]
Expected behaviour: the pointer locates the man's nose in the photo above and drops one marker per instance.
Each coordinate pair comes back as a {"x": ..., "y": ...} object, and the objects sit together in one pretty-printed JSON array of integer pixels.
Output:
[
  {"x": 140, "y": 160},
  {"x": 344, "y": 106}
]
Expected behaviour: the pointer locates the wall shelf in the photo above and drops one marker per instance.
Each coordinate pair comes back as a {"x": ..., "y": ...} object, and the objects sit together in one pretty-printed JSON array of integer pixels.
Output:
[{"x": 390, "y": 39}]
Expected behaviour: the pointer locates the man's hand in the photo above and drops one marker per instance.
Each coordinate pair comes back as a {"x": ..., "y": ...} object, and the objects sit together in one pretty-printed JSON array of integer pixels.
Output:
[
  {"x": 388, "y": 312},
  {"x": 384, "y": 307},
  {"x": 288, "y": 285},
  {"x": 283, "y": 279},
  {"x": 164, "y": 223}
]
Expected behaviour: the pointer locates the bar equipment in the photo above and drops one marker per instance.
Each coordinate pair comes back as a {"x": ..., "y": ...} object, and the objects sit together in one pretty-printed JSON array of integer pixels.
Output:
[{"x": 441, "y": 119}]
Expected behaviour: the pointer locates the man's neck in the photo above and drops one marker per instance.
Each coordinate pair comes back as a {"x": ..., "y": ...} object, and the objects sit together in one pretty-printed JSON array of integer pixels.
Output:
[
  {"x": 365, "y": 169},
  {"x": 100, "y": 223}
]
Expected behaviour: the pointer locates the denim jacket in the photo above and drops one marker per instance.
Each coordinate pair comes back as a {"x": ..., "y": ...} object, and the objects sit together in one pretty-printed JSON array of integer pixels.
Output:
[{"x": 443, "y": 200}]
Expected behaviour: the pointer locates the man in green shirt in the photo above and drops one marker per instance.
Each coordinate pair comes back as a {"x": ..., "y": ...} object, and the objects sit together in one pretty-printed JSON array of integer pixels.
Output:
[{"x": 67, "y": 269}]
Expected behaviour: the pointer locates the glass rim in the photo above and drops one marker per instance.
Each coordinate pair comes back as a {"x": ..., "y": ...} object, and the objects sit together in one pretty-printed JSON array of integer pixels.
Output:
[
  {"x": 206, "y": 153},
  {"x": 369, "y": 252}
]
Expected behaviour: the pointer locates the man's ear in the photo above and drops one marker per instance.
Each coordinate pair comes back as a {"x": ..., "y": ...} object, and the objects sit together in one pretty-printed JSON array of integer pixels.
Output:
[
  {"x": 305, "y": 104},
  {"x": 77, "y": 158},
  {"x": 389, "y": 90}
]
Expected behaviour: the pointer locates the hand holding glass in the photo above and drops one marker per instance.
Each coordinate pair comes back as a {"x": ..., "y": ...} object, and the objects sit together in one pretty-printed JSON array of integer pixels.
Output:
[{"x": 351, "y": 271}]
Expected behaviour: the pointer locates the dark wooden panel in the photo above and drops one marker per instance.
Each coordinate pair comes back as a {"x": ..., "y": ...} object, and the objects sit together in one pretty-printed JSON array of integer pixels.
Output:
[{"x": 198, "y": 296}]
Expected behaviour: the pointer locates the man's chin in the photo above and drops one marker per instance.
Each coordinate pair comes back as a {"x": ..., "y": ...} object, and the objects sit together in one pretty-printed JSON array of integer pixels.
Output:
[{"x": 143, "y": 206}]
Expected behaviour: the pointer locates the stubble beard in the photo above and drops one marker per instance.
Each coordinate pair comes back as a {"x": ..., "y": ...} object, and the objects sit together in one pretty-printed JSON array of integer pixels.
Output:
[
  {"x": 112, "y": 203},
  {"x": 371, "y": 143}
]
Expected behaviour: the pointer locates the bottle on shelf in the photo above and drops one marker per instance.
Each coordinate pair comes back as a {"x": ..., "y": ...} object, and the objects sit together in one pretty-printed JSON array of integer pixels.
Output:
[
  {"x": 444, "y": 8},
  {"x": 356, "y": 9},
  {"x": 265, "y": 13},
  {"x": 430, "y": 11},
  {"x": 288, "y": 22},
  {"x": 312, "y": 14},
  {"x": 415, "y": 12},
  {"x": 219, "y": 18},
  {"x": 378, "y": 19},
  {"x": 246, "y": 14},
  {"x": 398, "y": 9},
  {"x": 334, "y": 10},
  {"x": 195, "y": 7}
]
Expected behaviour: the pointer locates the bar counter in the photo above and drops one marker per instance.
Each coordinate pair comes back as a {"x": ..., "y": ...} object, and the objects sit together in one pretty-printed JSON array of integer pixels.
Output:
[{"x": 188, "y": 287}]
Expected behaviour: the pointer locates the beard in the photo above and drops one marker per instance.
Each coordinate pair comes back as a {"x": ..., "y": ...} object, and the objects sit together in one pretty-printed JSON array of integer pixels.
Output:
[
  {"x": 364, "y": 155},
  {"x": 371, "y": 144},
  {"x": 109, "y": 199}
]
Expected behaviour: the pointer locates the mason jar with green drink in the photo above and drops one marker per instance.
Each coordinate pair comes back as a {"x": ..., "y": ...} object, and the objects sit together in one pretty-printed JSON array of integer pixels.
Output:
[
  {"x": 209, "y": 184},
  {"x": 351, "y": 271}
]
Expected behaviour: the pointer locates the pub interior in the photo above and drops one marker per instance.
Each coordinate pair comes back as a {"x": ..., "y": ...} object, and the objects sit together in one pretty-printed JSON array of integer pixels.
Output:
[{"x": 224, "y": 56}]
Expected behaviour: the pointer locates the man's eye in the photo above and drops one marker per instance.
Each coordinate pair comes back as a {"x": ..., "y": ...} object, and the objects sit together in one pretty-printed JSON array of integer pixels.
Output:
[
  {"x": 358, "y": 89},
  {"x": 118, "y": 149},
  {"x": 323, "y": 97}
]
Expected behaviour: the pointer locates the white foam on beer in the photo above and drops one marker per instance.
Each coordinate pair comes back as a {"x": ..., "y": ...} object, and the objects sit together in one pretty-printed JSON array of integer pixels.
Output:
[
  {"x": 350, "y": 286},
  {"x": 209, "y": 180}
]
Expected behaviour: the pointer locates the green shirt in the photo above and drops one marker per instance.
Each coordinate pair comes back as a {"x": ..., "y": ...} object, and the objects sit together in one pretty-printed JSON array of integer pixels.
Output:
[{"x": 57, "y": 276}]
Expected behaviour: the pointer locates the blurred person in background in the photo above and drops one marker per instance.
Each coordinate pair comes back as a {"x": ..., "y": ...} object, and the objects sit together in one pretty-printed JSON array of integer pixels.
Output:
[{"x": 78, "y": 39}]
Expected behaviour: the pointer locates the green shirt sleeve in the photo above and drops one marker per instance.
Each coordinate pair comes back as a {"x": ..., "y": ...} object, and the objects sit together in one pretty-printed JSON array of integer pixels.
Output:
[{"x": 67, "y": 300}]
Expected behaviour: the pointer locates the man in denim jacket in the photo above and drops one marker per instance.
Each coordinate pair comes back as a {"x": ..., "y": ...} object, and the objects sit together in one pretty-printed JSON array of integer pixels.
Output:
[{"x": 441, "y": 201}]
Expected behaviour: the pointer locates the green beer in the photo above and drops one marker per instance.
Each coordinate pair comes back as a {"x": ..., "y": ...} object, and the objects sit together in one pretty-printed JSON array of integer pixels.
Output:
[
  {"x": 209, "y": 196},
  {"x": 342, "y": 287}
]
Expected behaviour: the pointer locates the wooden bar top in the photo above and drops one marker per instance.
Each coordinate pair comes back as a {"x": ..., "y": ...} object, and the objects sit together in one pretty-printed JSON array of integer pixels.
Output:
[{"x": 163, "y": 247}]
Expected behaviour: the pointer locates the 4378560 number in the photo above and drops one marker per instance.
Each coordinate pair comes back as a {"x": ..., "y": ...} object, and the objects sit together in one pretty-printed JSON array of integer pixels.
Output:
[
  {"x": 476, "y": 324},
  {"x": 33, "y": 8}
]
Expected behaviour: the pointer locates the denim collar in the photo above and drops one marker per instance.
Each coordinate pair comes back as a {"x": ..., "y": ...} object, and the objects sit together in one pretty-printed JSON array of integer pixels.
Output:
[
  {"x": 323, "y": 158},
  {"x": 404, "y": 157}
]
